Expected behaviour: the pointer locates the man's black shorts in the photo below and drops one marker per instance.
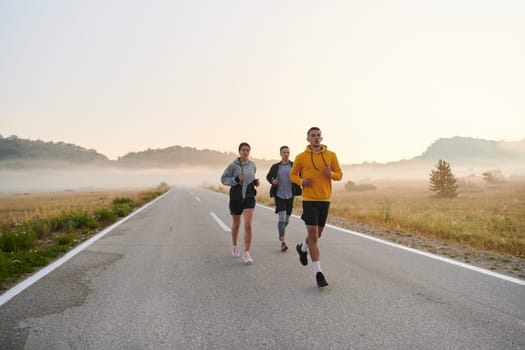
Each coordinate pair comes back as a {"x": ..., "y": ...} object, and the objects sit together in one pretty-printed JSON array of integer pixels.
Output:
[
  {"x": 283, "y": 205},
  {"x": 315, "y": 213},
  {"x": 238, "y": 205}
]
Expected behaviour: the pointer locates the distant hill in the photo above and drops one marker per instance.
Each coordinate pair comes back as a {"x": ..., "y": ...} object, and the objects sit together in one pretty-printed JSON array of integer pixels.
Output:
[
  {"x": 466, "y": 149},
  {"x": 19, "y": 153},
  {"x": 177, "y": 156},
  {"x": 466, "y": 155}
]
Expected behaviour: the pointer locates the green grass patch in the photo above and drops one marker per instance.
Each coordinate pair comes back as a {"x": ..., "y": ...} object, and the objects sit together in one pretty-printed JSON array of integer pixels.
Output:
[
  {"x": 104, "y": 215},
  {"x": 13, "y": 265},
  {"x": 65, "y": 239}
]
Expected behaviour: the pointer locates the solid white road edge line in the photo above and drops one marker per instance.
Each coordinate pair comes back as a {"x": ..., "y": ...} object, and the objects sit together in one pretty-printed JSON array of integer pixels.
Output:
[
  {"x": 432, "y": 256},
  {"x": 11, "y": 293},
  {"x": 420, "y": 252},
  {"x": 219, "y": 221}
]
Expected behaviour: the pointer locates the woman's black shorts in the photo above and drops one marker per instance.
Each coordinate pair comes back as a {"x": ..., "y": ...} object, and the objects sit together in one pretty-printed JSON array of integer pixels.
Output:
[{"x": 238, "y": 205}]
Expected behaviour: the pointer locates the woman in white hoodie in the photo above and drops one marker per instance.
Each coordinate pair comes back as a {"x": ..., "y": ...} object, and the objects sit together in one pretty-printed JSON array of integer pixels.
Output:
[{"x": 240, "y": 176}]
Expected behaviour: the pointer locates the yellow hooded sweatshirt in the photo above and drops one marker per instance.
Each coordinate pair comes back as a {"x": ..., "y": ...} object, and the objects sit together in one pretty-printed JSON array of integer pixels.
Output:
[{"x": 309, "y": 164}]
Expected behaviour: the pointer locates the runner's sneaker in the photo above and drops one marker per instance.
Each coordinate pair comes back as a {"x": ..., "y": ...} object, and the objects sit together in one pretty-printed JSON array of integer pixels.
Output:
[
  {"x": 284, "y": 247},
  {"x": 303, "y": 258},
  {"x": 247, "y": 258},
  {"x": 321, "y": 281},
  {"x": 235, "y": 251}
]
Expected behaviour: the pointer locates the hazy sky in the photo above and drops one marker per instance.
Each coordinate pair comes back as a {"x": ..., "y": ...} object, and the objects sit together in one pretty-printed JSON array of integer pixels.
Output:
[{"x": 382, "y": 79}]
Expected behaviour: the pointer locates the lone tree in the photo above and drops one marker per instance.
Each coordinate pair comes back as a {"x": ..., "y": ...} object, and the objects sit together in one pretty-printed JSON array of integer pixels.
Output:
[{"x": 442, "y": 181}]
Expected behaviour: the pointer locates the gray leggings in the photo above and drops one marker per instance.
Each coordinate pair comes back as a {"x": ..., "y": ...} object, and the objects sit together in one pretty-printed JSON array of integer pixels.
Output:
[{"x": 284, "y": 219}]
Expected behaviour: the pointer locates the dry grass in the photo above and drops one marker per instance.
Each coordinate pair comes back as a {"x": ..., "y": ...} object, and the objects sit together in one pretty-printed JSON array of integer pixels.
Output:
[
  {"x": 486, "y": 217},
  {"x": 22, "y": 207}
]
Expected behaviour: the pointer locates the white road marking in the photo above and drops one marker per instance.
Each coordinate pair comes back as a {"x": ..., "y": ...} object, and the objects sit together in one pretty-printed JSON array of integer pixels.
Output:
[
  {"x": 11, "y": 293},
  {"x": 198, "y": 199},
  {"x": 219, "y": 221}
]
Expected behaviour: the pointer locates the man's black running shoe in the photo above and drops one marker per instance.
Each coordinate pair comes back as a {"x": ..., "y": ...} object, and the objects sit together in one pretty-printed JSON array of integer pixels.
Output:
[
  {"x": 303, "y": 258},
  {"x": 321, "y": 281}
]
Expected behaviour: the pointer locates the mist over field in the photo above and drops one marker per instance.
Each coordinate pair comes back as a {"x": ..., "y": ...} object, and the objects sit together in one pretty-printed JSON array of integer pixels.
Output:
[
  {"x": 420, "y": 171},
  {"x": 106, "y": 178},
  {"x": 41, "y": 180}
]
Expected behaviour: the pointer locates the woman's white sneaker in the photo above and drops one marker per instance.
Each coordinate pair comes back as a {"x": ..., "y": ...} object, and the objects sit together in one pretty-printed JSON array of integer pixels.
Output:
[
  {"x": 247, "y": 258},
  {"x": 235, "y": 252}
]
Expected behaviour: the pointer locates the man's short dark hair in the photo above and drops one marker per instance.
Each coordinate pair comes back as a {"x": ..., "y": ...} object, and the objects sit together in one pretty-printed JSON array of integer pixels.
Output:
[
  {"x": 312, "y": 128},
  {"x": 283, "y": 147}
]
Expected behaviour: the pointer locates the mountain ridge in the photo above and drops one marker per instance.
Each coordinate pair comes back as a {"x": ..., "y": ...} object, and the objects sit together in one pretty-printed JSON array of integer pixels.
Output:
[{"x": 17, "y": 153}]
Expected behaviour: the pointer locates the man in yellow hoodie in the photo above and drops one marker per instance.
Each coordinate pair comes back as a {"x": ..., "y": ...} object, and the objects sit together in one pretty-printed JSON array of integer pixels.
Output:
[{"x": 314, "y": 169}]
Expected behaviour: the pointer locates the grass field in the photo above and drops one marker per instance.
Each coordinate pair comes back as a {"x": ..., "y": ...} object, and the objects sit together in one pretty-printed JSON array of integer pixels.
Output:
[
  {"x": 486, "y": 217},
  {"x": 22, "y": 207}
]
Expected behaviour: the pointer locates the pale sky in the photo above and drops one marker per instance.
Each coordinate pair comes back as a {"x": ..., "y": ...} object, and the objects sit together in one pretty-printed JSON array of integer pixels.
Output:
[{"x": 382, "y": 79}]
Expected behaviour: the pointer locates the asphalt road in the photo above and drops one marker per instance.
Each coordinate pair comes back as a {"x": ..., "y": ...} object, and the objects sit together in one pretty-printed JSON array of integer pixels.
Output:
[{"x": 165, "y": 279}]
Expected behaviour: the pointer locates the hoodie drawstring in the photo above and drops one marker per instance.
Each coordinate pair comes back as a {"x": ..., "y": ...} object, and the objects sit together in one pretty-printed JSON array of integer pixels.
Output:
[{"x": 322, "y": 156}]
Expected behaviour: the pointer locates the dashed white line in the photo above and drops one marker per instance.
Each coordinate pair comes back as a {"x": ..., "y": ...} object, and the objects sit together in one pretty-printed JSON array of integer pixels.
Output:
[{"x": 219, "y": 221}]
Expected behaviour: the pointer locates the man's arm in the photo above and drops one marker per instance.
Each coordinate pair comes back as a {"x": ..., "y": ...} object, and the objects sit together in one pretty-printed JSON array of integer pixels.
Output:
[
  {"x": 337, "y": 173},
  {"x": 271, "y": 174},
  {"x": 295, "y": 172}
]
